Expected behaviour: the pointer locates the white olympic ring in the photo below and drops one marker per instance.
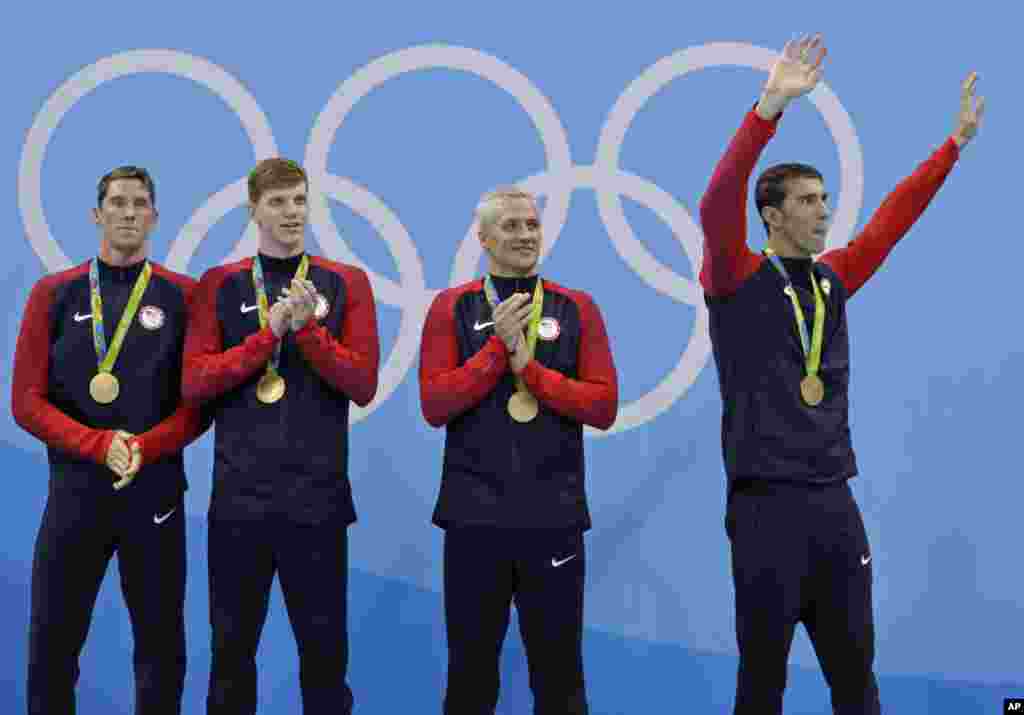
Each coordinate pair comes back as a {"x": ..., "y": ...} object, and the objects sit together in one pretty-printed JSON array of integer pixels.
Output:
[
  {"x": 558, "y": 182},
  {"x": 211, "y": 76}
]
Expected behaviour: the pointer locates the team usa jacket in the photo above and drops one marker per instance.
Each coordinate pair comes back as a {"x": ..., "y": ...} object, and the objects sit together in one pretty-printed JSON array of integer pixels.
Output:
[
  {"x": 496, "y": 471},
  {"x": 288, "y": 458},
  {"x": 56, "y": 358},
  {"x": 768, "y": 432}
]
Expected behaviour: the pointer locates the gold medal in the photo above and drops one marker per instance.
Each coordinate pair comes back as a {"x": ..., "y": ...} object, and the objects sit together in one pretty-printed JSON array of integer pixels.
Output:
[
  {"x": 523, "y": 406},
  {"x": 812, "y": 389},
  {"x": 104, "y": 388},
  {"x": 270, "y": 388}
]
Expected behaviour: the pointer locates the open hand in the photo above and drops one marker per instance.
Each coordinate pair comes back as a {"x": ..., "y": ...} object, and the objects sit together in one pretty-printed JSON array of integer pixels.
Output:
[
  {"x": 971, "y": 111},
  {"x": 794, "y": 74}
]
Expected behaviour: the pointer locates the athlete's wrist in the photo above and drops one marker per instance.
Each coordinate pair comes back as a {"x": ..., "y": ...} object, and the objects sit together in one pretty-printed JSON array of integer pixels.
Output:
[
  {"x": 520, "y": 358},
  {"x": 279, "y": 328},
  {"x": 771, "y": 105},
  {"x": 137, "y": 439},
  {"x": 512, "y": 344}
]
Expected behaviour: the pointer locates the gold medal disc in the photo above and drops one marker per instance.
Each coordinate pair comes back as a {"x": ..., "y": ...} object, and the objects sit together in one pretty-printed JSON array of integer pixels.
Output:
[
  {"x": 104, "y": 388},
  {"x": 523, "y": 407},
  {"x": 270, "y": 389},
  {"x": 812, "y": 389}
]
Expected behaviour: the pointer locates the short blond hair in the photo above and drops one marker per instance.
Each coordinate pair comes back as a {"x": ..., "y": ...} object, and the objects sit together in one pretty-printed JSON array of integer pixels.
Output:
[{"x": 491, "y": 203}]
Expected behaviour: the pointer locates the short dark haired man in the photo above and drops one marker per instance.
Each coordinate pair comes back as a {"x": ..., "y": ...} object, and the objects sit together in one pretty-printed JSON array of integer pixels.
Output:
[
  {"x": 97, "y": 376},
  {"x": 778, "y": 328}
]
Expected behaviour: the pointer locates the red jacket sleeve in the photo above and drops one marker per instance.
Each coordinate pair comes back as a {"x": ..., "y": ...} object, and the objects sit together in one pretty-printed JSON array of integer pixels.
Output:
[
  {"x": 171, "y": 435},
  {"x": 447, "y": 389},
  {"x": 30, "y": 405},
  {"x": 349, "y": 365},
  {"x": 858, "y": 260},
  {"x": 208, "y": 370},
  {"x": 723, "y": 210},
  {"x": 180, "y": 428},
  {"x": 593, "y": 399}
]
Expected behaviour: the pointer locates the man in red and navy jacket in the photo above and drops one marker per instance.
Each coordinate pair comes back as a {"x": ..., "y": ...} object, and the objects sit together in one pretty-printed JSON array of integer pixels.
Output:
[
  {"x": 799, "y": 548},
  {"x": 278, "y": 376},
  {"x": 117, "y": 476},
  {"x": 512, "y": 499}
]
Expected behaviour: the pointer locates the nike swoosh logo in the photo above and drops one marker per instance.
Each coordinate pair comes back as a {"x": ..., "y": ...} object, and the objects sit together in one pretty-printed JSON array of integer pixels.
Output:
[
  {"x": 161, "y": 519},
  {"x": 556, "y": 563},
  {"x": 865, "y": 560},
  {"x": 480, "y": 326},
  {"x": 80, "y": 318},
  {"x": 249, "y": 308}
]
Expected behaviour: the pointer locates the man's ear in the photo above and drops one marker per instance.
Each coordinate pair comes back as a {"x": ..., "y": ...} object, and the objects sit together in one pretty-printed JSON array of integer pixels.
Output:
[{"x": 771, "y": 215}]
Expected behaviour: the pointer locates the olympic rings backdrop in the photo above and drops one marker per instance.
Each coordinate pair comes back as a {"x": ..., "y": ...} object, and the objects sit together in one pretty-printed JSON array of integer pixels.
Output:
[{"x": 615, "y": 117}]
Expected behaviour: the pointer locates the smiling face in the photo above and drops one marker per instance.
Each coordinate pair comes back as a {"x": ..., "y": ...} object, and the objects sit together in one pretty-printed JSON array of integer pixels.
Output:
[
  {"x": 126, "y": 215},
  {"x": 281, "y": 217},
  {"x": 510, "y": 232},
  {"x": 278, "y": 204}
]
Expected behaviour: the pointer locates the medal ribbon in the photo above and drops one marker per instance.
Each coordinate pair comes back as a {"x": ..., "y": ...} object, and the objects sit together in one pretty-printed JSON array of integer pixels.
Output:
[
  {"x": 264, "y": 304},
  {"x": 531, "y": 328},
  {"x": 811, "y": 345},
  {"x": 107, "y": 356}
]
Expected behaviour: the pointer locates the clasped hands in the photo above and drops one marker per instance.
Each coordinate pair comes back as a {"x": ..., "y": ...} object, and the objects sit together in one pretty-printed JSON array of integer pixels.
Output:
[
  {"x": 511, "y": 317},
  {"x": 124, "y": 458},
  {"x": 295, "y": 307}
]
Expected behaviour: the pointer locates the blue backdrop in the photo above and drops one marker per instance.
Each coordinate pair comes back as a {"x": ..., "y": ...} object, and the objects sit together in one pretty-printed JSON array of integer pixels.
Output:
[{"x": 616, "y": 115}]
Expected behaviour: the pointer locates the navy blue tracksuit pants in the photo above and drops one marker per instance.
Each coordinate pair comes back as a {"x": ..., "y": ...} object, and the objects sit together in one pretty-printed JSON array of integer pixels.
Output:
[
  {"x": 311, "y": 562},
  {"x": 800, "y": 555},
  {"x": 77, "y": 538},
  {"x": 542, "y": 571}
]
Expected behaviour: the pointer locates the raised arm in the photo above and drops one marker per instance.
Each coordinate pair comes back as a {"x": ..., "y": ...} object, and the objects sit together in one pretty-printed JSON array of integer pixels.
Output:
[
  {"x": 856, "y": 262},
  {"x": 723, "y": 208}
]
